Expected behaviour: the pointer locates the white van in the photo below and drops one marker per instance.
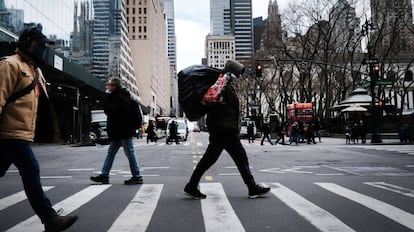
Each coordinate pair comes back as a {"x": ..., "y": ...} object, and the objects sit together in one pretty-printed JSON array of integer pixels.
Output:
[{"x": 182, "y": 130}]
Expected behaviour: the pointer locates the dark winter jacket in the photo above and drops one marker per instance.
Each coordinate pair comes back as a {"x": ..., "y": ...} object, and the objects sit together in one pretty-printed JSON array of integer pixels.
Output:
[
  {"x": 118, "y": 111},
  {"x": 225, "y": 118}
]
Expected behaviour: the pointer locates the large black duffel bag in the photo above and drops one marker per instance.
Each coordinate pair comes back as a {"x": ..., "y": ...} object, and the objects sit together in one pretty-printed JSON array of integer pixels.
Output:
[{"x": 193, "y": 82}]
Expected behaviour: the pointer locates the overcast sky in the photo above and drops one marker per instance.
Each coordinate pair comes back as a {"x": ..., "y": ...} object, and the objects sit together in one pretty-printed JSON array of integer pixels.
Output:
[{"x": 192, "y": 24}]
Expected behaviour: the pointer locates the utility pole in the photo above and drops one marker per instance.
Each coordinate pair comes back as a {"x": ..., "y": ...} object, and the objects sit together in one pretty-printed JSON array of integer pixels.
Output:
[{"x": 373, "y": 65}]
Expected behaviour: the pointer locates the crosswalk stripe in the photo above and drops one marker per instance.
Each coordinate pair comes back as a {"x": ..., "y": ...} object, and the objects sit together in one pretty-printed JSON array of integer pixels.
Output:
[
  {"x": 16, "y": 198},
  {"x": 320, "y": 218},
  {"x": 69, "y": 205},
  {"x": 394, "y": 213},
  {"x": 393, "y": 188},
  {"x": 217, "y": 211},
  {"x": 137, "y": 215}
]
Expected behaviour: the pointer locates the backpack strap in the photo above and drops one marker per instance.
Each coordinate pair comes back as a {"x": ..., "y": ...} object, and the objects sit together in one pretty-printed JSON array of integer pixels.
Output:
[{"x": 23, "y": 91}]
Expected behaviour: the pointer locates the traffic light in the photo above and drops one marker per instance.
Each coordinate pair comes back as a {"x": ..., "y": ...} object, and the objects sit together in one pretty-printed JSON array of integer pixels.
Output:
[
  {"x": 380, "y": 103},
  {"x": 376, "y": 72},
  {"x": 259, "y": 69}
]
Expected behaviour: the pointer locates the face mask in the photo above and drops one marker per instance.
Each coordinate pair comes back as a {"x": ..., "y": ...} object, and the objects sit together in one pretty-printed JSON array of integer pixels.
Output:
[{"x": 39, "y": 52}]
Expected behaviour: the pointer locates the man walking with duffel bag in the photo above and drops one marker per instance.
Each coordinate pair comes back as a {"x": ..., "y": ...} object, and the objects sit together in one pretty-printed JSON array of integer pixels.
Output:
[{"x": 223, "y": 122}]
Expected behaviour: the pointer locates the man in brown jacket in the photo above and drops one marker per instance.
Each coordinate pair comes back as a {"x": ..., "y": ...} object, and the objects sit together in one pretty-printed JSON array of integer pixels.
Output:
[{"x": 18, "y": 117}]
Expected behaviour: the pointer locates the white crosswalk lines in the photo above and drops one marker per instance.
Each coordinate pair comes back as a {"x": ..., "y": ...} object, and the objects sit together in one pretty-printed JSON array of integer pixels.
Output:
[
  {"x": 140, "y": 209},
  {"x": 69, "y": 205},
  {"x": 16, "y": 198},
  {"x": 393, "y": 188},
  {"x": 217, "y": 211},
  {"x": 317, "y": 216},
  {"x": 394, "y": 213}
]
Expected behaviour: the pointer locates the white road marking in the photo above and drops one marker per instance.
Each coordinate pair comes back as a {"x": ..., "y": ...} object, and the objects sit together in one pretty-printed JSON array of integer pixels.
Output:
[
  {"x": 392, "y": 212},
  {"x": 81, "y": 169},
  {"x": 16, "y": 198},
  {"x": 393, "y": 188},
  {"x": 137, "y": 215},
  {"x": 69, "y": 205},
  {"x": 55, "y": 177},
  {"x": 217, "y": 211},
  {"x": 320, "y": 218}
]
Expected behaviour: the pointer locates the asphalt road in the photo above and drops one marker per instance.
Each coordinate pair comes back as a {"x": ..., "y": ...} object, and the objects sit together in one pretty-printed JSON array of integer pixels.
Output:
[{"x": 328, "y": 186}]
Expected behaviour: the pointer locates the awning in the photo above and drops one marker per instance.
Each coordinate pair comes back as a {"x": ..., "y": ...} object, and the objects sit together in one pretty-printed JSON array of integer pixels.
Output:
[{"x": 354, "y": 108}]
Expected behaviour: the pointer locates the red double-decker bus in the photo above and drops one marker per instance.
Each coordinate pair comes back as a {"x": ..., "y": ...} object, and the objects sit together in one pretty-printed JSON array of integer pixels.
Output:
[{"x": 298, "y": 112}]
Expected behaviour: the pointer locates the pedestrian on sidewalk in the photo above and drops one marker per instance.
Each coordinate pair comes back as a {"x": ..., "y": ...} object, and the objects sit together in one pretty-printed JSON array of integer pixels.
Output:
[
  {"x": 121, "y": 129},
  {"x": 18, "y": 117},
  {"x": 250, "y": 132},
  {"x": 151, "y": 135},
  {"x": 280, "y": 134},
  {"x": 266, "y": 134},
  {"x": 348, "y": 132},
  {"x": 223, "y": 124}
]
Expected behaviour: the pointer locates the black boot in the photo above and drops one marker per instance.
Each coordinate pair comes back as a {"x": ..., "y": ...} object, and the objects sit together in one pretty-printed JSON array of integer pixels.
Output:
[
  {"x": 100, "y": 179},
  {"x": 60, "y": 223}
]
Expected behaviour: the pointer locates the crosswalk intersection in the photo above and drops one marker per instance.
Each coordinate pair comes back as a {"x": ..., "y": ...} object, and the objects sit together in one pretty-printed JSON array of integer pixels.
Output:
[{"x": 219, "y": 212}]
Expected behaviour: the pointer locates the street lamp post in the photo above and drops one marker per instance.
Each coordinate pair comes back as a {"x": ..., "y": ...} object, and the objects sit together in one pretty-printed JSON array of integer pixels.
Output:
[{"x": 372, "y": 62}]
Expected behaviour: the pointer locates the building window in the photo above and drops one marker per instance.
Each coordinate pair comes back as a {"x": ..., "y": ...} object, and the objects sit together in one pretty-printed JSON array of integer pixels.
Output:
[{"x": 133, "y": 10}]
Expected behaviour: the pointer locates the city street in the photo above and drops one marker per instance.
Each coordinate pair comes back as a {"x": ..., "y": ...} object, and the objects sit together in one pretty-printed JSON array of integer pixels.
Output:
[{"x": 328, "y": 186}]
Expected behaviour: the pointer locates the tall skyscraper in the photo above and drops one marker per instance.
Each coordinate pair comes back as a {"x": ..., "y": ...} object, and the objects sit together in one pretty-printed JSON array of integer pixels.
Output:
[
  {"x": 346, "y": 26},
  {"x": 172, "y": 53},
  {"x": 169, "y": 13},
  {"x": 111, "y": 51},
  {"x": 147, "y": 29},
  {"x": 242, "y": 28},
  {"x": 82, "y": 49},
  {"x": 232, "y": 18},
  {"x": 220, "y": 17},
  {"x": 394, "y": 25}
]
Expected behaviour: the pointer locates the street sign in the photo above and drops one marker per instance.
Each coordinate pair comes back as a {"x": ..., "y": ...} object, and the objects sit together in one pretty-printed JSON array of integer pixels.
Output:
[
  {"x": 370, "y": 61},
  {"x": 384, "y": 82},
  {"x": 377, "y": 83}
]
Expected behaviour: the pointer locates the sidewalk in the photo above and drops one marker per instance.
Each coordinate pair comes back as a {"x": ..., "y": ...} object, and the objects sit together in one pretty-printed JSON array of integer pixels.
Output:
[{"x": 337, "y": 140}]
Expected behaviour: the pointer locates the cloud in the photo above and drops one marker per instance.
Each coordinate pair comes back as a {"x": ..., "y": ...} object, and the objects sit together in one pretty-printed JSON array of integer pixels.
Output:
[{"x": 190, "y": 42}]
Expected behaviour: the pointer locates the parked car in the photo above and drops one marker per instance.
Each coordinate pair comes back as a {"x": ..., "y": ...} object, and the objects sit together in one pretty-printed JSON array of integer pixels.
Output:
[
  {"x": 182, "y": 130},
  {"x": 98, "y": 133}
]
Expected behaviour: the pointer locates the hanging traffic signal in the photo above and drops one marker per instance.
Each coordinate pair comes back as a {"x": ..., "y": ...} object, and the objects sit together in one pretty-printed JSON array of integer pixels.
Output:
[
  {"x": 380, "y": 103},
  {"x": 376, "y": 72},
  {"x": 259, "y": 69}
]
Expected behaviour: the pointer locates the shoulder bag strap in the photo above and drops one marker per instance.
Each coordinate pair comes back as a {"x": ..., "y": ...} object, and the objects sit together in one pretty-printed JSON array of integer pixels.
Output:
[{"x": 23, "y": 91}]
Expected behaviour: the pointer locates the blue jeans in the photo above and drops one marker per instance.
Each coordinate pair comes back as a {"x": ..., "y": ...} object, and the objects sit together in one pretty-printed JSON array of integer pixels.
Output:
[
  {"x": 19, "y": 153},
  {"x": 129, "y": 152}
]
